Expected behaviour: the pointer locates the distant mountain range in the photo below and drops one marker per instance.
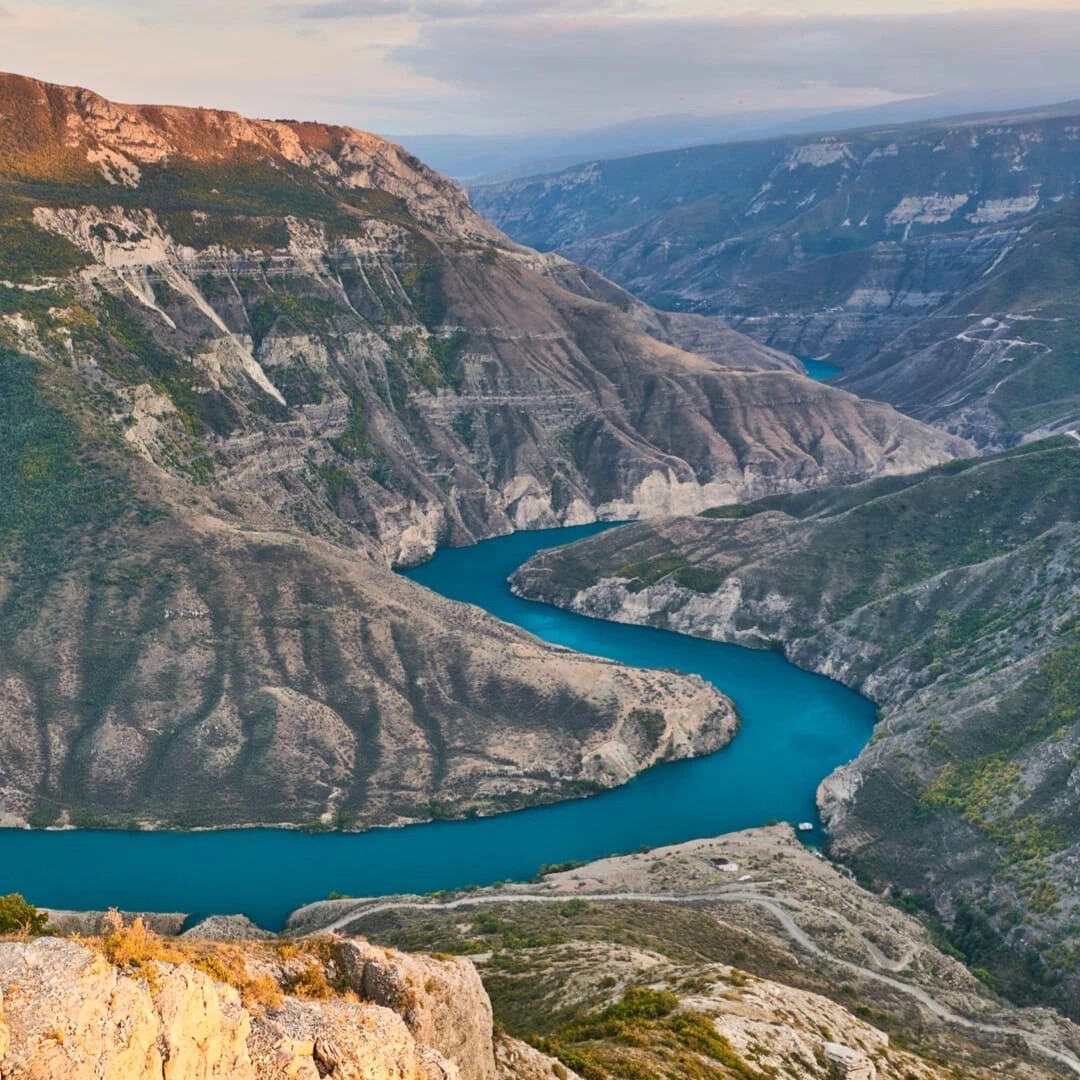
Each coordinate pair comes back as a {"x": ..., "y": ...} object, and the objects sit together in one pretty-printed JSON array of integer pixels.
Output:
[
  {"x": 934, "y": 262},
  {"x": 478, "y": 159}
]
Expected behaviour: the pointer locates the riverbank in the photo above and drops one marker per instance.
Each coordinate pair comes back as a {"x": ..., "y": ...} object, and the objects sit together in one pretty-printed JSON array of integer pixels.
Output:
[
  {"x": 682, "y": 915},
  {"x": 796, "y": 728}
]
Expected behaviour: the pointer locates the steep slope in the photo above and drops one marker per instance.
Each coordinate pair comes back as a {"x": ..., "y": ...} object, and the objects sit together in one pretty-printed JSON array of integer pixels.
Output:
[
  {"x": 331, "y": 305},
  {"x": 167, "y": 662},
  {"x": 248, "y": 364},
  {"x": 701, "y": 334},
  {"x": 950, "y": 599},
  {"x": 849, "y": 246},
  {"x": 1002, "y": 356}
]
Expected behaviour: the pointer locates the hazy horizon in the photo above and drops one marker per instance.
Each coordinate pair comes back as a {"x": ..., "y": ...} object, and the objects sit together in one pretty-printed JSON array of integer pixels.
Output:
[{"x": 494, "y": 67}]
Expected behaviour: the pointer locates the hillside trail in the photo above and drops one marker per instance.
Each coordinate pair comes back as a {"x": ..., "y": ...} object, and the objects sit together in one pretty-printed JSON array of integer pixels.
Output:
[{"x": 735, "y": 895}]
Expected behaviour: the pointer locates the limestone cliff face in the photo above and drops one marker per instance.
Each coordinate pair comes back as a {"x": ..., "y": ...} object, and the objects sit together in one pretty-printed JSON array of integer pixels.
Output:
[
  {"x": 66, "y": 132},
  {"x": 931, "y": 261},
  {"x": 366, "y": 355},
  {"x": 67, "y": 1013},
  {"x": 383, "y": 385}
]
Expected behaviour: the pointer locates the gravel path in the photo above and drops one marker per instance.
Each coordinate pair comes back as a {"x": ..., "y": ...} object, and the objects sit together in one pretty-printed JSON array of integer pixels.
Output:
[{"x": 727, "y": 895}]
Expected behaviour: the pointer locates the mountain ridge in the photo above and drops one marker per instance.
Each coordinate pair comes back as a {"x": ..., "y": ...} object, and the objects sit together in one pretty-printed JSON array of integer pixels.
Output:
[
  {"x": 248, "y": 381},
  {"x": 950, "y": 600}
]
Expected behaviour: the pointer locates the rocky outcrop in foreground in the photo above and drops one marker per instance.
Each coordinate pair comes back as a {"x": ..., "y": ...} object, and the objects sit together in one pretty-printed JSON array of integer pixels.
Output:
[{"x": 340, "y": 1009}]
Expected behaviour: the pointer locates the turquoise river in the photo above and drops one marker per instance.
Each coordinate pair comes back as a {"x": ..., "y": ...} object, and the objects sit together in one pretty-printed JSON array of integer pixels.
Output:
[{"x": 796, "y": 728}]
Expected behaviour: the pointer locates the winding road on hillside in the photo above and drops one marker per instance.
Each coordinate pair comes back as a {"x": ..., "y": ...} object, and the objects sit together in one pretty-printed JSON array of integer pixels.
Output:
[{"x": 732, "y": 895}]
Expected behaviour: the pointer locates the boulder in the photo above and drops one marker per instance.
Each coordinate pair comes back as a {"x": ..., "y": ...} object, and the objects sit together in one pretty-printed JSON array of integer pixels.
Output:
[
  {"x": 339, "y": 1039},
  {"x": 71, "y": 1015},
  {"x": 203, "y": 1029},
  {"x": 441, "y": 1000},
  {"x": 848, "y": 1063}
]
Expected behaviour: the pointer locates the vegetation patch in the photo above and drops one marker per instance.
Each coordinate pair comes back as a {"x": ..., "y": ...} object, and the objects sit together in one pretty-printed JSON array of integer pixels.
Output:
[
  {"x": 423, "y": 283},
  {"x": 28, "y": 253},
  {"x": 701, "y": 579},
  {"x": 303, "y": 314},
  {"x": 649, "y": 571},
  {"x": 735, "y": 512},
  {"x": 463, "y": 426},
  {"x": 52, "y": 492},
  {"x": 17, "y": 916},
  {"x": 353, "y": 442},
  {"x": 237, "y": 232},
  {"x": 337, "y": 482},
  {"x": 642, "y": 1035},
  {"x": 130, "y": 353},
  {"x": 651, "y": 722},
  {"x": 262, "y": 972}
]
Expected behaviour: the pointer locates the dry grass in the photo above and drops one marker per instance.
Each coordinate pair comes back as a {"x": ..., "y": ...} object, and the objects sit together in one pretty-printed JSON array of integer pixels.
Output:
[
  {"x": 135, "y": 948},
  {"x": 310, "y": 982},
  {"x": 261, "y": 992},
  {"x": 261, "y": 972}
]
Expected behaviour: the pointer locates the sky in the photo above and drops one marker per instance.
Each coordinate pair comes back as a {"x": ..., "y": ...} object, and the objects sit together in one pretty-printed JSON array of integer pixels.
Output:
[{"x": 513, "y": 66}]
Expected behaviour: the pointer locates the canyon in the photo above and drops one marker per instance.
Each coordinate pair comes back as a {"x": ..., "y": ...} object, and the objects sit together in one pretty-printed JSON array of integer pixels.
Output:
[
  {"x": 253, "y": 364},
  {"x": 249, "y": 367},
  {"x": 933, "y": 262}
]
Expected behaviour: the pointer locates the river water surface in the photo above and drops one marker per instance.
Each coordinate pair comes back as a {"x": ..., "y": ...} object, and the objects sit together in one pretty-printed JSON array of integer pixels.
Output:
[
  {"x": 796, "y": 728},
  {"x": 820, "y": 370}
]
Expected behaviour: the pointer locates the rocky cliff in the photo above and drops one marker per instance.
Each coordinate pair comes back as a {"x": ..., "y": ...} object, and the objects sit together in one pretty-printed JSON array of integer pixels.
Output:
[
  {"x": 133, "y": 1006},
  {"x": 327, "y": 314},
  {"x": 951, "y": 600},
  {"x": 249, "y": 364},
  {"x": 932, "y": 262}
]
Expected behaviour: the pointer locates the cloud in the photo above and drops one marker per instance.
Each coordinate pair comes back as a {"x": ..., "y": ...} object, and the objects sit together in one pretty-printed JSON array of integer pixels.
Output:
[
  {"x": 609, "y": 67},
  {"x": 494, "y": 9},
  {"x": 521, "y": 65},
  {"x": 451, "y": 10},
  {"x": 345, "y": 9}
]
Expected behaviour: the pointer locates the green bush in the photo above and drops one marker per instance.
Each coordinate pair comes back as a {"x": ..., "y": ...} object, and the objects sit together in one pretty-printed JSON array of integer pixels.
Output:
[
  {"x": 19, "y": 917},
  {"x": 28, "y": 252},
  {"x": 642, "y": 1003}
]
